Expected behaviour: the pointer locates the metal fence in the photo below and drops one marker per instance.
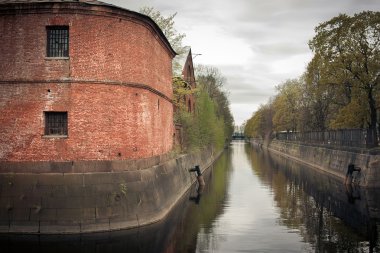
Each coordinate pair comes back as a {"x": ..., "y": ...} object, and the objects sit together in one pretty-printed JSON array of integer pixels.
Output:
[{"x": 361, "y": 138}]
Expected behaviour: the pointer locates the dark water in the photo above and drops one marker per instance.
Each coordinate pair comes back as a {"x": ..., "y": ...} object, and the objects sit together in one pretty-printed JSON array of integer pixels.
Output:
[{"x": 253, "y": 202}]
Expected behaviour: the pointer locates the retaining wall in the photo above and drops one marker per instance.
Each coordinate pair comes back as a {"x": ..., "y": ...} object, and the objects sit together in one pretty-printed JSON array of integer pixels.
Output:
[
  {"x": 333, "y": 161},
  {"x": 80, "y": 202},
  {"x": 356, "y": 206}
]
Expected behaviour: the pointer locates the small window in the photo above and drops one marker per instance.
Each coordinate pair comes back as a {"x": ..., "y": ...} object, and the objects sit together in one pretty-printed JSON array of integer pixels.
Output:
[
  {"x": 56, "y": 123},
  {"x": 57, "y": 41}
]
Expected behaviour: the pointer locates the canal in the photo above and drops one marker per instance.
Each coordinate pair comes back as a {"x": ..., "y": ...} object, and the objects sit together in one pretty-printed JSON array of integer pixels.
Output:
[{"x": 253, "y": 201}]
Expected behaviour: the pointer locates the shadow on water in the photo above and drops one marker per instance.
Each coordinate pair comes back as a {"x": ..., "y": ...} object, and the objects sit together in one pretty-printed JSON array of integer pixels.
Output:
[
  {"x": 177, "y": 233},
  {"x": 328, "y": 215}
]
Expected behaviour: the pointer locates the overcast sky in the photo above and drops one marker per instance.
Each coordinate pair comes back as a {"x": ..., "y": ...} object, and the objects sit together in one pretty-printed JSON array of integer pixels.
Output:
[{"x": 256, "y": 44}]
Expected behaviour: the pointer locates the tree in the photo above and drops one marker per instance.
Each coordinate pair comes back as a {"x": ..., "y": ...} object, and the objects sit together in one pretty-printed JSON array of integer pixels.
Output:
[
  {"x": 318, "y": 97},
  {"x": 202, "y": 128},
  {"x": 349, "y": 53},
  {"x": 212, "y": 82},
  {"x": 286, "y": 105},
  {"x": 181, "y": 89},
  {"x": 260, "y": 125},
  {"x": 174, "y": 37},
  {"x": 350, "y": 116}
]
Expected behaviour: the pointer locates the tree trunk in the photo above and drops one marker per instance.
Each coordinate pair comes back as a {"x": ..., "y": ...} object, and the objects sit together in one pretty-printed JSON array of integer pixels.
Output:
[{"x": 373, "y": 117}]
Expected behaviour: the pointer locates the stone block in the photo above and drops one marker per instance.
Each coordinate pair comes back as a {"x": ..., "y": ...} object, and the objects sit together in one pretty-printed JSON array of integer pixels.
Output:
[
  {"x": 74, "y": 191},
  {"x": 61, "y": 167},
  {"x": 148, "y": 175},
  {"x": 103, "y": 212},
  {"x": 24, "y": 167},
  {"x": 124, "y": 223},
  {"x": 44, "y": 214},
  {"x": 92, "y": 166},
  {"x": 61, "y": 227},
  {"x": 5, "y": 214},
  {"x": 61, "y": 202},
  {"x": 89, "y": 201},
  {"x": 15, "y": 190},
  {"x": 161, "y": 170},
  {"x": 104, "y": 199},
  {"x": 106, "y": 188},
  {"x": 137, "y": 187},
  {"x": 95, "y": 225},
  {"x": 72, "y": 179},
  {"x": 51, "y": 179},
  {"x": 88, "y": 213},
  {"x": 24, "y": 227},
  {"x": 117, "y": 211},
  {"x": 145, "y": 163},
  {"x": 4, "y": 226},
  {"x": 20, "y": 214},
  {"x": 26, "y": 202},
  {"x": 126, "y": 176},
  {"x": 124, "y": 165},
  {"x": 97, "y": 178},
  {"x": 69, "y": 214},
  {"x": 40, "y": 191},
  {"x": 6, "y": 202}
]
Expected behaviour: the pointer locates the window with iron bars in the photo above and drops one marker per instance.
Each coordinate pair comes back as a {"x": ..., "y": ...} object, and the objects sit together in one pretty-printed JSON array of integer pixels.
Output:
[
  {"x": 56, "y": 123},
  {"x": 57, "y": 41}
]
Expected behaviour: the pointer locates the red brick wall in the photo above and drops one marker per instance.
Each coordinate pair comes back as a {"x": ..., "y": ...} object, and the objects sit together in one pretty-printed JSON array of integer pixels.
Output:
[
  {"x": 115, "y": 86},
  {"x": 189, "y": 77}
]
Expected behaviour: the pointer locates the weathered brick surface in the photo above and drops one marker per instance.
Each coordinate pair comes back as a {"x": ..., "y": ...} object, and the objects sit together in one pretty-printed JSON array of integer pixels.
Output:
[{"x": 115, "y": 86}]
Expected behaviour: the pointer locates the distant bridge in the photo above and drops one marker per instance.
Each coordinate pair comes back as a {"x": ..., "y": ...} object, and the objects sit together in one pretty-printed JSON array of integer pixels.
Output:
[{"x": 238, "y": 136}]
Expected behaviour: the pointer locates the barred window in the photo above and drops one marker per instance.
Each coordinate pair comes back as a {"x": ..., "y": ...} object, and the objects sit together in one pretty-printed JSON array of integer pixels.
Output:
[
  {"x": 57, "y": 41},
  {"x": 55, "y": 123}
]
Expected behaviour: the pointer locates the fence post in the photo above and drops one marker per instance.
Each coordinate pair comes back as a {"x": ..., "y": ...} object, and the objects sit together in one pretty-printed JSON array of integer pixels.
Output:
[{"x": 369, "y": 141}]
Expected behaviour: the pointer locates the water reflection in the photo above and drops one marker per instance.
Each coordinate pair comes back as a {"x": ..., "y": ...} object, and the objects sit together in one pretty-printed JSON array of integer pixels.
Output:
[
  {"x": 253, "y": 201},
  {"x": 330, "y": 216}
]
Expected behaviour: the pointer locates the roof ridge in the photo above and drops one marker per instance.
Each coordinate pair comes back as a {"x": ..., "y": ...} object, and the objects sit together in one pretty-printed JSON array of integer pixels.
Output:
[{"x": 52, "y": 1}]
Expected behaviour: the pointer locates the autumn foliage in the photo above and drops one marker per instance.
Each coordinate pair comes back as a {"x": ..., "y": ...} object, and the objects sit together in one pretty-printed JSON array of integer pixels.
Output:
[{"x": 340, "y": 88}]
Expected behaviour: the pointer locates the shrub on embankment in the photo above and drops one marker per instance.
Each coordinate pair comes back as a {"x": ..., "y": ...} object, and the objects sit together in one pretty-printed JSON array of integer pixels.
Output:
[{"x": 211, "y": 123}]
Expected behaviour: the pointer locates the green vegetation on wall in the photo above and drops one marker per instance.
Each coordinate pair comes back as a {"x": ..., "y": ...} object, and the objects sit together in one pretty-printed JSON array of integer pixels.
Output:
[
  {"x": 211, "y": 123},
  {"x": 206, "y": 125}
]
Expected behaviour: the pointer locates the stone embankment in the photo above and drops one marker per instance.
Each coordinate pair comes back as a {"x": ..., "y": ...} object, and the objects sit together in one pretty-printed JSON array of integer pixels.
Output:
[
  {"x": 63, "y": 198},
  {"x": 332, "y": 161}
]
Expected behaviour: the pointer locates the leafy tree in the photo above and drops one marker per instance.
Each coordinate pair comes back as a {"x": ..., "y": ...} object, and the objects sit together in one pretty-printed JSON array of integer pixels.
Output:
[
  {"x": 174, "y": 37},
  {"x": 212, "y": 82},
  {"x": 260, "y": 125},
  {"x": 202, "y": 128},
  {"x": 318, "y": 98},
  {"x": 349, "y": 53},
  {"x": 286, "y": 105},
  {"x": 181, "y": 89},
  {"x": 350, "y": 116},
  {"x": 211, "y": 79}
]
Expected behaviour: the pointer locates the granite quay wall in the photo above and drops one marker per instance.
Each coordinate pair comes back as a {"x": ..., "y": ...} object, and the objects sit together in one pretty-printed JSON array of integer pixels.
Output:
[
  {"x": 332, "y": 161},
  {"x": 122, "y": 195},
  {"x": 359, "y": 207}
]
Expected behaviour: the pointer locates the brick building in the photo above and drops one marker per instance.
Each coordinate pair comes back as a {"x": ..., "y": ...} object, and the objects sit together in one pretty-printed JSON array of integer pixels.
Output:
[
  {"x": 82, "y": 80},
  {"x": 189, "y": 76}
]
